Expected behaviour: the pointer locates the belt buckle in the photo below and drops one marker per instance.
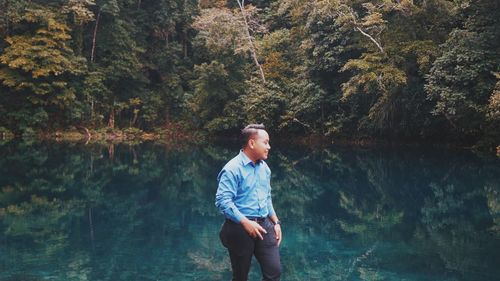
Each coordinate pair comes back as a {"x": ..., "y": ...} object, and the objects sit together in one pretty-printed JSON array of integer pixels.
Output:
[{"x": 259, "y": 220}]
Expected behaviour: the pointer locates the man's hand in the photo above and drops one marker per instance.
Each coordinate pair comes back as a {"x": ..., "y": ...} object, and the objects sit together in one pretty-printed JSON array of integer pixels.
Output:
[
  {"x": 277, "y": 231},
  {"x": 253, "y": 228}
]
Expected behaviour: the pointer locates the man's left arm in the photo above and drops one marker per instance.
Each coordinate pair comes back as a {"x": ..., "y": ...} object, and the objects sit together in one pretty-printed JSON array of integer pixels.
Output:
[
  {"x": 274, "y": 218},
  {"x": 272, "y": 214}
]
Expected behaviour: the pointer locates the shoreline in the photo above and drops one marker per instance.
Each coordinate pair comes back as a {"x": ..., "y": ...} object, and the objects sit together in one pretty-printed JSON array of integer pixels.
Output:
[
  {"x": 132, "y": 135},
  {"x": 176, "y": 133}
]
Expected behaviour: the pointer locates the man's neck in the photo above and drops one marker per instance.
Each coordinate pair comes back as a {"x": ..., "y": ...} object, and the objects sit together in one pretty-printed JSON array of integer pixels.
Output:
[{"x": 249, "y": 155}]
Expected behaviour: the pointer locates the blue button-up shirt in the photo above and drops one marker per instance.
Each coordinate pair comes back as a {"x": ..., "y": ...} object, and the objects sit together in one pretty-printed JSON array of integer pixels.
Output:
[{"x": 244, "y": 189}]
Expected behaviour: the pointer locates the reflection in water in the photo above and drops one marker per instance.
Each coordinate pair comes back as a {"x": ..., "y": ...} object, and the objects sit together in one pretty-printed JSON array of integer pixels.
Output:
[{"x": 72, "y": 212}]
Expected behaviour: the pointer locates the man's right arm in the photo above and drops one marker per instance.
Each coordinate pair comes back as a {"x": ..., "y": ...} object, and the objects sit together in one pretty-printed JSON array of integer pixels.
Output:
[{"x": 226, "y": 192}]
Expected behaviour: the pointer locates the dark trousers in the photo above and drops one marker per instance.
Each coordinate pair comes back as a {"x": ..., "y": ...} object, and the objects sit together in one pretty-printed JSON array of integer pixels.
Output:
[{"x": 242, "y": 247}]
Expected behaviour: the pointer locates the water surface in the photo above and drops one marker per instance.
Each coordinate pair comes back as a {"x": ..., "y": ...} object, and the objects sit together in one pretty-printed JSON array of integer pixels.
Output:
[{"x": 146, "y": 212}]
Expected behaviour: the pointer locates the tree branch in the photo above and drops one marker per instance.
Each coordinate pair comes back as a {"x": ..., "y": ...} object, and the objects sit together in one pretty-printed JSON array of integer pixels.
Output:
[
  {"x": 250, "y": 41},
  {"x": 371, "y": 38}
]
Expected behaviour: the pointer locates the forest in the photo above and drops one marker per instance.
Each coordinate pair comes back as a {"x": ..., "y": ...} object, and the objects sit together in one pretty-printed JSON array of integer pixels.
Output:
[{"x": 399, "y": 70}]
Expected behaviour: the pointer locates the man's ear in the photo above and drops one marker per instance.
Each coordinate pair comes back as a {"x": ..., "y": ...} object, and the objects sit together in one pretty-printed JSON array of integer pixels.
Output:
[{"x": 251, "y": 143}]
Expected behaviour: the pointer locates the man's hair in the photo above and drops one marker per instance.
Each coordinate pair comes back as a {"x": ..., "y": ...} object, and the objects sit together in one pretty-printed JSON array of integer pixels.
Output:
[{"x": 249, "y": 132}]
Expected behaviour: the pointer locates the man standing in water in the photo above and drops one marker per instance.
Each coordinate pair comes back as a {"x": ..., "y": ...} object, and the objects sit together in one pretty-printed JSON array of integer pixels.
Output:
[{"x": 244, "y": 197}]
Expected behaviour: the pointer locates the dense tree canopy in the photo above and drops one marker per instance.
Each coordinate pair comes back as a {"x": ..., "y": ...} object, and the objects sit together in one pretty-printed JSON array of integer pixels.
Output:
[{"x": 410, "y": 70}]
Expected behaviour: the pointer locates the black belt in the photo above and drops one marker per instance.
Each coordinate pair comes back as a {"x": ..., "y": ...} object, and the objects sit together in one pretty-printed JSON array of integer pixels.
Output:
[{"x": 255, "y": 219}]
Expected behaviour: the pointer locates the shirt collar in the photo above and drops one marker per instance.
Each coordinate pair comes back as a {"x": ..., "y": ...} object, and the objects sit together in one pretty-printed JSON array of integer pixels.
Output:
[{"x": 245, "y": 160}]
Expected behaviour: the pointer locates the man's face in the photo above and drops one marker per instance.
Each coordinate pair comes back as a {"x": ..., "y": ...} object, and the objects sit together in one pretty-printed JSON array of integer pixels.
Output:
[{"x": 260, "y": 145}]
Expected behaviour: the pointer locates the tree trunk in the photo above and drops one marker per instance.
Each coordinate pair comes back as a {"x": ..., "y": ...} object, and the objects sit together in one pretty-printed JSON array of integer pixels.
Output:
[
  {"x": 184, "y": 45},
  {"x": 111, "y": 121},
  {"x": 92, "y": 54},
  {"x": 241, "y": 3},
  {"x": 7, "y": 20},
  {"x": 167, "y": 115},
  {"x": 91, "y": 163},
  {"x": 111, "y": 152},
  {"x": 78, "y": 34},
  {"x": 134, "y": 154},
  {"x": 91, "y": 226},
  {"x": 134, "y": 118},
  {"x": 92, "y": 109}
]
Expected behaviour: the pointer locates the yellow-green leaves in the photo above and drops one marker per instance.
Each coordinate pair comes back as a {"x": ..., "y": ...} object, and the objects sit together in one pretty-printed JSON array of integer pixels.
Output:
[
  {"x": 494, "y": 102},
  {"x": 223, "y": 29},
  {"x": 40, "y": 63},
  {"x": 372, "y": 74},
  {"x": 80, "y": 9}
]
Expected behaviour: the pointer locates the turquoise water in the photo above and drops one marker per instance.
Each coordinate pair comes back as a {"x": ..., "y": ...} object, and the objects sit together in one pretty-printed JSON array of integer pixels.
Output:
[{"x": 146, "y": 212}]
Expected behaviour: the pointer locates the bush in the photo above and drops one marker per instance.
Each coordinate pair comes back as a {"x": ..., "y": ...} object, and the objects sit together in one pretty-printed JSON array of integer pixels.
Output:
[{"x": 5, "y": 133}]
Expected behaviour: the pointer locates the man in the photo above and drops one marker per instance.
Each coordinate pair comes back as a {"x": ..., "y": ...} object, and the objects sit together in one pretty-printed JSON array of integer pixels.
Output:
[{"x": 244, "y": 197}]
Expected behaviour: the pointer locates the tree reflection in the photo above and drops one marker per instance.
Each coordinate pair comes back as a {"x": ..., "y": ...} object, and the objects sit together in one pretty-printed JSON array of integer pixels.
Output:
[{"x": 147, "y": 213}]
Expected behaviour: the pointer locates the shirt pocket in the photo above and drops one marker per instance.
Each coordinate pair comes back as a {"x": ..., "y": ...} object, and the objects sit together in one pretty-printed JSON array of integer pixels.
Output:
[
  {"x": 264, "y": 180},
  {"x": 265, "y": 185},
  {"x": 264, "y": 189}
]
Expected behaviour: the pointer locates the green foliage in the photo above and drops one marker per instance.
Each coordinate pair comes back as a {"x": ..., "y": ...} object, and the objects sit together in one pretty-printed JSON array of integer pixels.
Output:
[
  {"x": 462, "y": 80},
  {"x": 5, "y": 133},
  {"x": 494, "y": 102},
  {"x": 28, "y": 118},
  {"x": 221, "y": 31},
  {"x": 374, "y": 75},
  {"x": 263, "y": 103},
  {"x": 39, "y": 65},
  {"x": 80, "y": 10},
  {"x": 212, "y": 91},
  {"x": 95, "y": 97},
  {"x": 388, "y": 69}
]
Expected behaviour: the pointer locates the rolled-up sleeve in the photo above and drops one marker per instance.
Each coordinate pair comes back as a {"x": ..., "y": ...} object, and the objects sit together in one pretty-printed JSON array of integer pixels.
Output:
[{"x": 226, "y": 192}]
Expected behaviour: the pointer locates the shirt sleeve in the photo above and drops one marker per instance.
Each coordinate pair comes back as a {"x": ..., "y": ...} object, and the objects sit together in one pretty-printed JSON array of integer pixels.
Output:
[
  {"x": 226, "y": 192},
  {"x": 270, "y": 207}
]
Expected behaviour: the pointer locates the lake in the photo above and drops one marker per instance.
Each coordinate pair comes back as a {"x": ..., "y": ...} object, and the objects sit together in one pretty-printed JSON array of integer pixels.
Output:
[{"x": 146, "y": 212}]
